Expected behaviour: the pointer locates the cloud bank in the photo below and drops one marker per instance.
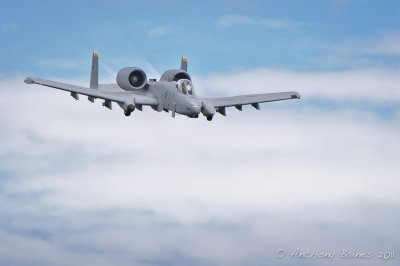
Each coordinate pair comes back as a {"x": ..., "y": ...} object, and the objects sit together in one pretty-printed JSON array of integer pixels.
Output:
[{"x": 84, "y": 185}]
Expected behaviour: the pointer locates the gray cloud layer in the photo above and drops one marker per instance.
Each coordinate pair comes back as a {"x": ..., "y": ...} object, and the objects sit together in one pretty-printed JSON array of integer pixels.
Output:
[{"x": 82, "y": 185}]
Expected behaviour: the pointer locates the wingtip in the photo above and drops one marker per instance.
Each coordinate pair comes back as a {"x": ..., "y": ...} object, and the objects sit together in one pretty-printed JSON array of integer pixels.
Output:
[
  {"x": 295, "y": 95},
  {"x": 95, "y": 54},
  {"x": 29, "y": 80}
]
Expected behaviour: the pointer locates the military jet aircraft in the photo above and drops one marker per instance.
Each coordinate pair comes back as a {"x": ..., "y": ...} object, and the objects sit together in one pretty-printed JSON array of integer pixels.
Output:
[{"x": 173, "y": 92}]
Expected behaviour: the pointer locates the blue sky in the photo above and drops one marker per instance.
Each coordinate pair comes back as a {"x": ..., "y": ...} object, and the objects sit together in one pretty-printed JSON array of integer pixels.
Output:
[
  {"x": 55, "y": 36},
  {"x": 83, "y": 185}
]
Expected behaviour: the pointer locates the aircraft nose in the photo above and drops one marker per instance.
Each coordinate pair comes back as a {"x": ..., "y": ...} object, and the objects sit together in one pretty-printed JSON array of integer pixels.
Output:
[
  {"x": 196, "y": 106},
  {"x": 193, "y": 106},
  {"x": 196, "y": 109}
]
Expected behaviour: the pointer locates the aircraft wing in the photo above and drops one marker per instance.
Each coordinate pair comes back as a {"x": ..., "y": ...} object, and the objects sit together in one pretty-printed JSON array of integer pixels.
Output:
[
  {"x": 253, "y": 99},
  {"x": 119, "y": 97}
]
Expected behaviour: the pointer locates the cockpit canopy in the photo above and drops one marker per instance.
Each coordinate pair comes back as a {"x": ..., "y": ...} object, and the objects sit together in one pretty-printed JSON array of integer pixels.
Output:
[{"x": 185, "y": 86}]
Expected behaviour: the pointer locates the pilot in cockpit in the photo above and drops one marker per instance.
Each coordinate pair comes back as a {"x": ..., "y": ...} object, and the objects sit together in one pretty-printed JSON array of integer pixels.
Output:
[{"x": 185, "y": 86}]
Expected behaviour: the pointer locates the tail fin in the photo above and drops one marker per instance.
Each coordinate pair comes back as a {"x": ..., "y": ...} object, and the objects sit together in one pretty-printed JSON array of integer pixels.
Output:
[
  {"x": 94, "y": 75},
  {"x": 184, "y": 63}
]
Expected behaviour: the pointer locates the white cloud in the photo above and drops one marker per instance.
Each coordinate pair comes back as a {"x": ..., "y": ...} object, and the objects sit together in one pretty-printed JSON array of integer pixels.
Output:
[
  {"x": 161, "y": 31},
  {"x": 276, "y": 23},
  {"x": 372, "y": 85},
  {"x": 387, "y": 44},
  {"x": 107, "y": 68},
  {"x": 153, "y": 71},
  {"x": 384, "y": 44},
  {"x": 233, "y": 20},
  {"x": 58, "y": 63},
  {"x": 83, "y": 183},
  {"x": 271, "y": 23}
]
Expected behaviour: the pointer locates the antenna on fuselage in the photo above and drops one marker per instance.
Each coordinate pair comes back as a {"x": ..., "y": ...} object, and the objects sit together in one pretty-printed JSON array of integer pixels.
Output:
[{"x": 184, "y": 63}]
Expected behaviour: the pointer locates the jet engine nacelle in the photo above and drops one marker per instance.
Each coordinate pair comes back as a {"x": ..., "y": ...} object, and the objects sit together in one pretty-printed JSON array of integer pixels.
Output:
[
  {"x": 131, "y": 78},
  {"x": 207, "y": 109},
  {"x": 174, "y": 75}
]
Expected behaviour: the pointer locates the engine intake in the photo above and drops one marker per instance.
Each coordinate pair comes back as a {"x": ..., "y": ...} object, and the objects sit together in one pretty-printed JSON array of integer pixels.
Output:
[{"x": 131, "y": 78}]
